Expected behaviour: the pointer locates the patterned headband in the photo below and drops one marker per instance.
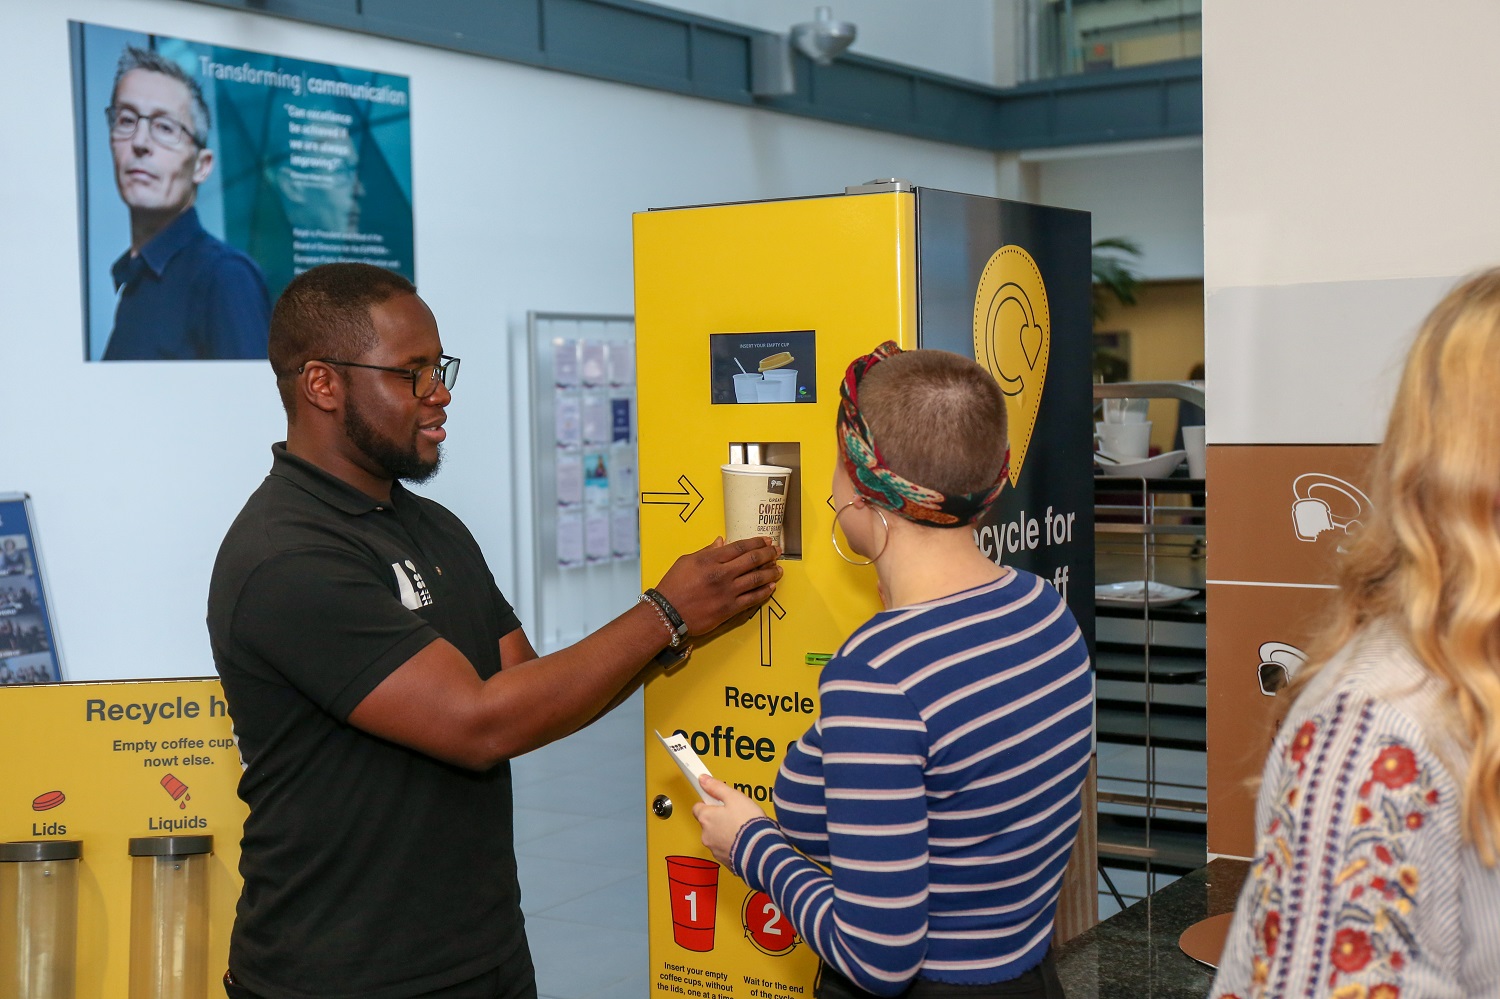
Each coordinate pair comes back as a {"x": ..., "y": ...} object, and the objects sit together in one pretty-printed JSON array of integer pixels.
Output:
[{"x": 878, "y": 484}]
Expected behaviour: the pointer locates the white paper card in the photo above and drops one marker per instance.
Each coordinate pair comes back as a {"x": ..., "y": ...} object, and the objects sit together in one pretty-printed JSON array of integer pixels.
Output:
[
  {"x": 569, "y": 538},
  {"x": 622, "y": 363},
  {"x": 596, "y": 535},
  {"x": 622, "y": 471},
  {"x": 596, "y": 419},
  {"x": 687, "y": 761},
  {"x": 569, "y": 420},
  {"x": 565, "y": 362},
  {"x": 623, "y": 530},
  {"x": 594, "y": 372},
  {"x": 569, "y": 478}
]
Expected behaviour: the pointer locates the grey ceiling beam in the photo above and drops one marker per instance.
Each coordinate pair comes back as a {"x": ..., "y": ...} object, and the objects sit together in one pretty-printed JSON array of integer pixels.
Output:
[{"x": 637, "y": 43}]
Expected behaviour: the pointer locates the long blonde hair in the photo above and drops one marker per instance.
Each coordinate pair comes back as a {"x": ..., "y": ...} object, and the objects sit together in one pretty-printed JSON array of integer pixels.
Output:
[{"x": 1427, "y": 561}]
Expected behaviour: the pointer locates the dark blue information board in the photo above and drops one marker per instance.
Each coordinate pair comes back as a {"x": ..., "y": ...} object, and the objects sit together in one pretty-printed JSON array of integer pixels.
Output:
[{"x": 28, "y": 651}]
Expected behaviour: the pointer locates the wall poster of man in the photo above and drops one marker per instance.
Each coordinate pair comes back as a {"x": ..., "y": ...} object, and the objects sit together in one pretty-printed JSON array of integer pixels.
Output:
[{"x": 209, "y": 177}]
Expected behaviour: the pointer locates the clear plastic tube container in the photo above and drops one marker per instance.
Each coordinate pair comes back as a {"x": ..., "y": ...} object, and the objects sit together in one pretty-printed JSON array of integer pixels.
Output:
[
  {"x": 39, "y": 918},
  {"x": 169, "y": 917}
]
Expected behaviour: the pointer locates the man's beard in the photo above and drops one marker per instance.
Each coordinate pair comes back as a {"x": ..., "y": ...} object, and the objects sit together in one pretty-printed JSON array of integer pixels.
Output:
[{"x": 398, "y": 462}]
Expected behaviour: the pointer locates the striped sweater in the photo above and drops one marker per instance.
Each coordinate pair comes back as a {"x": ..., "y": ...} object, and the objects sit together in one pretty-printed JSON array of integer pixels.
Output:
[
  {"x": 1361, "y": 886},
  {"x": 940, "y": 785}
]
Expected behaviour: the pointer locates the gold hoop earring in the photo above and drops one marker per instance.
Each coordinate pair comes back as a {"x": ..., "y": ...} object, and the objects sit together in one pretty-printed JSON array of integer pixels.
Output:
[{"x": 833, "y": 534}]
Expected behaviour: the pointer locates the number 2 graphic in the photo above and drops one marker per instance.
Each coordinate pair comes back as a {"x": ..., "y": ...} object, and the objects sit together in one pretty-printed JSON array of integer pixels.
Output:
[
  {"x": 775, "y": 913},
  {"x": 766, "y": 926}
]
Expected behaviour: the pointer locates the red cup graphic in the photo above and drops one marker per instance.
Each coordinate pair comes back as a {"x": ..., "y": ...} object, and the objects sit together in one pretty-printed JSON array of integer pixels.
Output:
[
  {"x": 693, "y": 884},
  {"x": 176, "y": 789}
]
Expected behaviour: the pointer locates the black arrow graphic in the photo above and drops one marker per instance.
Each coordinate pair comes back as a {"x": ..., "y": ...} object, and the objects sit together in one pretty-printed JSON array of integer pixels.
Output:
[
  {"x": 767, "y": 611},
  {"x": 687, "y": 497}
]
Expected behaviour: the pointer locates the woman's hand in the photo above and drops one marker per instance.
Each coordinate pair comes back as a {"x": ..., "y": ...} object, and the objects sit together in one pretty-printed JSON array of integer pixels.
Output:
[{"x": 722, "y": 822}]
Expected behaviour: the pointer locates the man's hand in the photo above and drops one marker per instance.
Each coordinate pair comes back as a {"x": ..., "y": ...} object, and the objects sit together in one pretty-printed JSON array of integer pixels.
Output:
[
  {"x": 721, "y": 822},
  {"x": 713, "y": 584}
]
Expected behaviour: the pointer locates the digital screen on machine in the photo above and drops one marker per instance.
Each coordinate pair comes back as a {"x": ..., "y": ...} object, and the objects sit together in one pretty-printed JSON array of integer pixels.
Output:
[
  {"x": 28, "y": 653},
  {"x": 763, "y": 367}
]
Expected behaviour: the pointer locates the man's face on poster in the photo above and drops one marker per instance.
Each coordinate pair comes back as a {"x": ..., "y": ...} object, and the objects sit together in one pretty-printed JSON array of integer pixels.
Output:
[{"x": 151, "y": 176}]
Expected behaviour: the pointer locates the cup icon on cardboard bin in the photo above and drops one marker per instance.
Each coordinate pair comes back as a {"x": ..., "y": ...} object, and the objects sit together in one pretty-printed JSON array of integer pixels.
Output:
[
  {"x": 693, "y": 887},
  {"x": 1279, "y": 662}
]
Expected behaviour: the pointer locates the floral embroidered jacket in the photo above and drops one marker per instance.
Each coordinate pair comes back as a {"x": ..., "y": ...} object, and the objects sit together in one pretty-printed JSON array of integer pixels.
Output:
[{"x": 1361, "y": 886}]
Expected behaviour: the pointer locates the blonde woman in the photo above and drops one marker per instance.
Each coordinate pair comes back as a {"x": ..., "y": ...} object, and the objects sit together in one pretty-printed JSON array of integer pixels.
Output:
[{"x": 1375, "y": 872}]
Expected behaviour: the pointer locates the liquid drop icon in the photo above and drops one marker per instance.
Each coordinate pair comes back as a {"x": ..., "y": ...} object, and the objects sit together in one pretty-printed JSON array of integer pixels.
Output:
[{"x": 1013, "y": 340}]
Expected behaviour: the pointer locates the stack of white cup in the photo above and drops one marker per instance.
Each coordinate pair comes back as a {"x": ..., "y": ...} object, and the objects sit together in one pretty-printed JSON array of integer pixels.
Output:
[
  {"x": 1124, "y": 433},
  {"x": 1197, "y": 452}
]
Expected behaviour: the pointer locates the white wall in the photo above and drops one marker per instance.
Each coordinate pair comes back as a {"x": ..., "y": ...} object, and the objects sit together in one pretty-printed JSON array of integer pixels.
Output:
[
  {"x": 525, "y": 181},
  {"x": 1349, "y": 179},
  {"x": 1150, "y": 192}
]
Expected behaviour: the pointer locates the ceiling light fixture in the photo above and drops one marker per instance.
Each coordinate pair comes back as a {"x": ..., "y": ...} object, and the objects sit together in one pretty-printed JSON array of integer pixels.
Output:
[{"x": 822, "y": 40}]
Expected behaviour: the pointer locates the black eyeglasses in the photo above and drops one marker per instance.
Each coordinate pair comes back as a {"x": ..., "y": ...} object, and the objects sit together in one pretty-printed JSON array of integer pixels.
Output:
[
  {"x": 424, "y": 380},
  {"x": 164, "y": 129}
]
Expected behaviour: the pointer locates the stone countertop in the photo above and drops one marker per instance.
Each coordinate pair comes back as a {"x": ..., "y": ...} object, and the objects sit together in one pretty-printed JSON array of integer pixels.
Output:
[{"x": 1134, "y": 954}]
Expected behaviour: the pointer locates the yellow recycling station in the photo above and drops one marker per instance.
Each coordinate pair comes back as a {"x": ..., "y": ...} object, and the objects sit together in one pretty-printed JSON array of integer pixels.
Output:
[{"x": 746, "y": 317}]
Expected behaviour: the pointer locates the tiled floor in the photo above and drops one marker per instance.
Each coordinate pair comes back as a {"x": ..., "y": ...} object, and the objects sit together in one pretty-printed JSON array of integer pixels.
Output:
[{"x": 581, "y": 846}]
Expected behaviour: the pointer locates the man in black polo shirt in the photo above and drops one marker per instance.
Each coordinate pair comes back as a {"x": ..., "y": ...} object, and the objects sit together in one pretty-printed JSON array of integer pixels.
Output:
[{"x": 379, "y": 682}]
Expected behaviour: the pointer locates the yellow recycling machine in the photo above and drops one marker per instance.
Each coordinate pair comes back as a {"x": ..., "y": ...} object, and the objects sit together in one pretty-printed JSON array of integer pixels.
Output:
[{"x": 746, "y": 316}]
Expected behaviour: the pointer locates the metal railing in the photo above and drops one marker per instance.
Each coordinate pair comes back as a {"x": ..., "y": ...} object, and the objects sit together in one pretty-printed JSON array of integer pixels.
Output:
[{"x": 1067, "y": 37}]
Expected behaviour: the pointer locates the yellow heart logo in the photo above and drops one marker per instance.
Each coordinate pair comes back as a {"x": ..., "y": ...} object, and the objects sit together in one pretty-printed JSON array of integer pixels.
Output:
[{"x": 1013, "y": 339}]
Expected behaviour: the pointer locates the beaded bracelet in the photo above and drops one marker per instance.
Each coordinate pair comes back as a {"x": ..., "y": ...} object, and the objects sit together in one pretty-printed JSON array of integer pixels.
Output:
[{"x": 645, "y": 599}]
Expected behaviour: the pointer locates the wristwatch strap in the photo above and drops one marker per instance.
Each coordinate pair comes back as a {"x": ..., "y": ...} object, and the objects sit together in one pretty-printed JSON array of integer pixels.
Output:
[
  {"x": 675, "y": 624},
  {"x": 670, "y": 656}
]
